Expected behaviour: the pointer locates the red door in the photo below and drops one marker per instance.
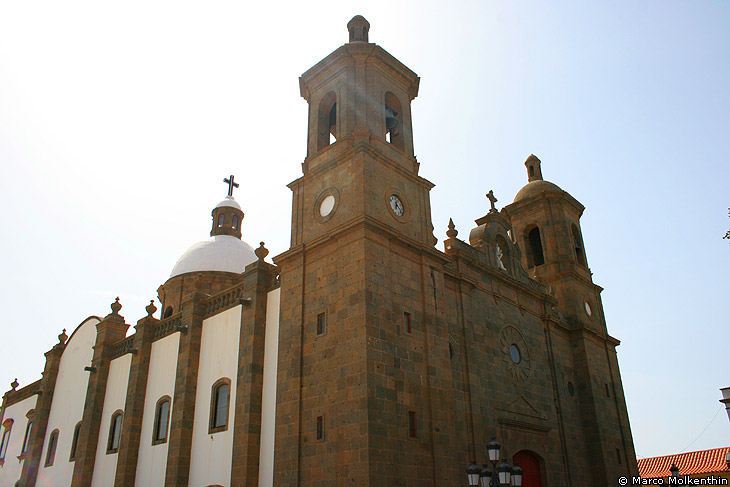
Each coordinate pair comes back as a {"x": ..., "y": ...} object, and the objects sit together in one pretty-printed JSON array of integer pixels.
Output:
[{"x": 530, "y": 466}]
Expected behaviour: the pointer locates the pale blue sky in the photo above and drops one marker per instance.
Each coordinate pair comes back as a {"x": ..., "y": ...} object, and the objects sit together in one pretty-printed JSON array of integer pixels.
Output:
[{"x": 119, "y": 121}]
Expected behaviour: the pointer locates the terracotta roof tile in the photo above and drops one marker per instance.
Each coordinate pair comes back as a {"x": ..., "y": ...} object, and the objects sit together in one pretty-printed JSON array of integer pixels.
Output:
[{"x": 691, "y": 463}]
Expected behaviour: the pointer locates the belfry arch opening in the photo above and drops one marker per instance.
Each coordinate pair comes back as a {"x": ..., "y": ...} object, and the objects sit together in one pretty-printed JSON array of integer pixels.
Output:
[
  {"x": 578, "y": 245},
  {"x": 535, "y": 256},
  {"x": 393, "y": 121},
  {"x": 327, "y": 121}
]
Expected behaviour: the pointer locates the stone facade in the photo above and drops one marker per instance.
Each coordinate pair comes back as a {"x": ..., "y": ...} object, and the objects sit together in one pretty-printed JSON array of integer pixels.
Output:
[{"x": 397, "y": 362}]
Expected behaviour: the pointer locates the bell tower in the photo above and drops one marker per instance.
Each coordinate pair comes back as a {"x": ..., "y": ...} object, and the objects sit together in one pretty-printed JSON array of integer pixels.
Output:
[
  {"x": 546, "y": 225},
  {"x": 358, "y": 285}
]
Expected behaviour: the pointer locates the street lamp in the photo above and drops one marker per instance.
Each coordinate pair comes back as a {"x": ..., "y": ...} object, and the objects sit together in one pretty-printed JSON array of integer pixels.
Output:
[
  {"x": 505, "y": 472},
  {"x": 516, "y": 476},
  {"x": 502, "y": 475},
  {"x": 675, "y": 471},
  {"x": 472, "y": 473},
  {"x": 485, "y": 477}
]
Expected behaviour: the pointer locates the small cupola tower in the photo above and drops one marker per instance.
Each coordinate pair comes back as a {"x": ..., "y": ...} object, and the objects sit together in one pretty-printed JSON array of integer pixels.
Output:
[
  {"x": 227, "y": 215},
  {"x": 545, "y": 223}
]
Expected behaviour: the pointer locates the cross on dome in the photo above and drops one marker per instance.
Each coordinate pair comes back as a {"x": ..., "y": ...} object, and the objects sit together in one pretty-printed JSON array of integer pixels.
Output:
[{"x": 231, "y": 184}]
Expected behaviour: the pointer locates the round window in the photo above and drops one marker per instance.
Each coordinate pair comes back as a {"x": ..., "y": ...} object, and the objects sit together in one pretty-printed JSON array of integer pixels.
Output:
[
  {"x": 589, "y": 311},
  {"x": 327, "y": 205},
  {"x": 514, "y": 353}
]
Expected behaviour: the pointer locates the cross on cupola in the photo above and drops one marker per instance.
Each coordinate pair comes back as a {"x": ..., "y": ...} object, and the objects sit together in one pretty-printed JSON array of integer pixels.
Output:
[{"x": 231, "y": 184}]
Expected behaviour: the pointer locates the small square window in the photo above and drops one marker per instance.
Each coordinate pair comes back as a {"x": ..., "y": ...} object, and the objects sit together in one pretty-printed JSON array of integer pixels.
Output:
[
  {"x": 407, "y": 322},
  {"x": 321, "y": 324},
  {"x": 320, "y": 427},
  {"x": 412, "y": 424}
]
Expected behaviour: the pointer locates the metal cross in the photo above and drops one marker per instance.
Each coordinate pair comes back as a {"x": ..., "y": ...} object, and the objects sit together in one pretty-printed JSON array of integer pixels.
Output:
[
  {"x": 231, "y": 184},
  {"x": 492, "y": 199}
]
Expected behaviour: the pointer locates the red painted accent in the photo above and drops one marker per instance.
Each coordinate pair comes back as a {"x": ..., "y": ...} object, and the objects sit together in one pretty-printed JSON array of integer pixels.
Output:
[{"x": 530, "y": 466}]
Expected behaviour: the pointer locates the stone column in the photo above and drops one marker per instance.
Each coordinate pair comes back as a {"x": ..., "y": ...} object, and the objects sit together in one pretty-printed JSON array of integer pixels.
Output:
[
  {"x": 134, "y": 404},
  {"x": 186, "y": 382},
  {"x": 42, "y": 410},
  {"x": 258, "y": 279},
  {"x": 109, "y": 331}
]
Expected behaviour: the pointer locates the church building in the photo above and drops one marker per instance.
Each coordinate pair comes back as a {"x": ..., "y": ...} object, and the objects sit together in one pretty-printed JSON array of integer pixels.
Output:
[{"x": 361, "y": 356}]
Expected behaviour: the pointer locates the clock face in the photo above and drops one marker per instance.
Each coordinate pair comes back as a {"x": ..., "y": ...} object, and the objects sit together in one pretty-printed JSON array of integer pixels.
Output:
[
  {"x": 589, "y": 311},
  {"x": 396, "y": 205}
]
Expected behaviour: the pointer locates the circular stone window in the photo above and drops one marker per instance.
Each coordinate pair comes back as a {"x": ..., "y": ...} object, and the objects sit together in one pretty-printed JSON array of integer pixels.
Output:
[
  {"x": 514, "y": 353},
  {"x": 589, "y": 310},
  {"x": 327, "y": 205}
]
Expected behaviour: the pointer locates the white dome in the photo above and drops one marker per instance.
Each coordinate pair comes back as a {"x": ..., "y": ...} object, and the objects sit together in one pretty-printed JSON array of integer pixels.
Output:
[
  {"x": 229, "y": 201},
  {"x": 221, "y": 253}
]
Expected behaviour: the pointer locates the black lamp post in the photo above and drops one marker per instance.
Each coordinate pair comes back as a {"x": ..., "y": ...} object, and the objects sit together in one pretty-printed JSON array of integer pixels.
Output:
[
  {"x": 675, "y": 471},
  {"x": 502, "y": 475}
]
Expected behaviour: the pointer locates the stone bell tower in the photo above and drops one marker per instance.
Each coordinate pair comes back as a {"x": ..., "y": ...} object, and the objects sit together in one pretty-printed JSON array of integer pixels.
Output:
[
  {"x": 546, "y": 225},
  {"x": 358, "y": 286}
]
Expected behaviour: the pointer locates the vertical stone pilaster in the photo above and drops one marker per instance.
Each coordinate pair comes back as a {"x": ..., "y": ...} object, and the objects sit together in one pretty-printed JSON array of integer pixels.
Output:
[
  {"x": 134, "y": 404},
  {"x": 186, "y": 382},
  {"x": 258, "y": 279},
  {"x": 109, "y": 331},
  {"x": 40, "y": 416}
]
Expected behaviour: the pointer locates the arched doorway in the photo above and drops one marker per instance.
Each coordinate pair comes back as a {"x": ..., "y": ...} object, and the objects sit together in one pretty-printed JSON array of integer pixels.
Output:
[{"x": 530, "y": 465}]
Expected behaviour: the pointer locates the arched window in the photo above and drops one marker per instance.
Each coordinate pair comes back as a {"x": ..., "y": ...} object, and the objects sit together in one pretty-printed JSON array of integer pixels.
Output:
[
  {"x": 534, "y": 247},
  {"x": 578, "y": 245},
  {"x": 221, "y": 219},
  {"x": 393, "y": 121},
  {"x": 51, "y": 452},
  {"x": 530, "y": 465},
  {"x": 219, "y": 402},
  {"x": 75, "y": 442},
  {"x": 162, "y": 420},
  {"x": 235, "y": 222},
  {"x": 7, "y": 426},
  {"x": 115, "y": 432},
  {"x": 168, "y": 312},
  {"x": 327, "y": 121},
  {"x": 26, "y": 438}
]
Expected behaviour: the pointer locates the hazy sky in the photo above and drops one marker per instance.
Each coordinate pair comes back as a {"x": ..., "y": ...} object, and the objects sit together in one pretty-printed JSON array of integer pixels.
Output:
[{"x": 118, "y": 122}]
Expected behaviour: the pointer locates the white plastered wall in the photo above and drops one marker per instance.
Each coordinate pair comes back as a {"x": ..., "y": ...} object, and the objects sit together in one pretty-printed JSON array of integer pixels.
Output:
[
  {"x": 211, "y": 455},
  {"x": 152, "y": 460},
  {"x": 13, "y": 466},
  {"x": 67, "y": 407},
  {"x": 268, "y": 405},
  {"x": 105, "y": 466}
]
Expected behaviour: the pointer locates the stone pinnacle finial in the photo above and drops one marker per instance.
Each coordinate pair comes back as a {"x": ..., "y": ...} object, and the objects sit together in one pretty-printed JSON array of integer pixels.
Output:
[
  {"x": 14, "y": 384},
  {"x": 62, "y": 337},
  {"x": 452, "y": 231},
  {"x": 359, "y": 28},
  {"x": 151, "y": 308},
  {"x": 534, "y": 173},
  {"x": 492, "y": 200},
  {"x": 261, "y": 252},
  {"x": 116, "y": 306}
]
